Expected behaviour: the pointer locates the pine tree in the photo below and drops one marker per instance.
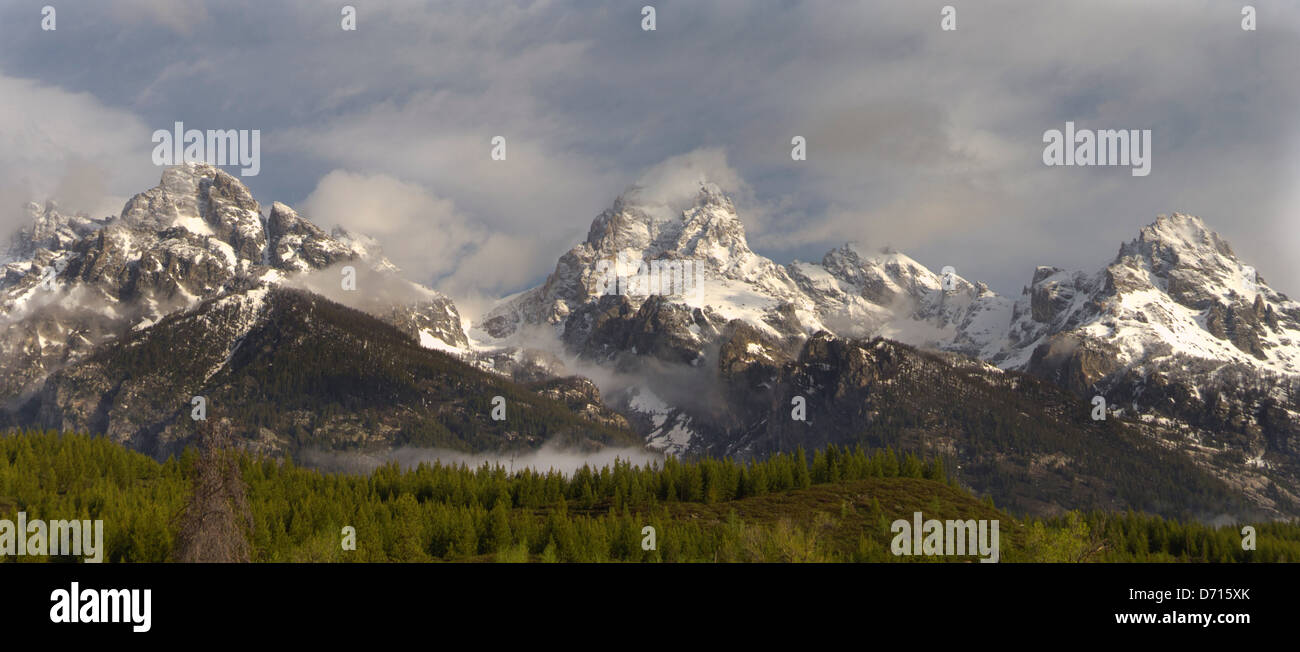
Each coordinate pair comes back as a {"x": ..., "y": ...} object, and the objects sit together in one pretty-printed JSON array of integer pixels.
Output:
[
  {"x": 911, "y": 467},
  {"x": 499, "y": 536},
  {"x": 888, "y": 463},
  {"x": 802, "y": 478}
]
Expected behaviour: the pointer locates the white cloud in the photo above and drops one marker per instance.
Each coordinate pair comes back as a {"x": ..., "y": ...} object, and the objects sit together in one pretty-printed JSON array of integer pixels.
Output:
[
  {"x": 674, "y": 184},
  {"x": 420, "y": 232},
  {"x": 499, "y": 263},
  {"x": 69, "y": 147}
]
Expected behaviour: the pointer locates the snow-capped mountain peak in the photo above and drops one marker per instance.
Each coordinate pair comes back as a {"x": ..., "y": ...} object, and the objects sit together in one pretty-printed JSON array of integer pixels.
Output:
[
  {"x": 1175, "y": 293},
  {"x": 205, "y": 201},
  {"x": 706, "y": 236},
  {"x": 708, "y": 230},
  {"x": 199, "y": 234},
  {"x": 1187, "y": 260}
]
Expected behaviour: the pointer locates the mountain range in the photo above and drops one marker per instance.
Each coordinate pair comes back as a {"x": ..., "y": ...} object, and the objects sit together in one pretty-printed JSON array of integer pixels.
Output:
[{"x": 113, "y": 325}]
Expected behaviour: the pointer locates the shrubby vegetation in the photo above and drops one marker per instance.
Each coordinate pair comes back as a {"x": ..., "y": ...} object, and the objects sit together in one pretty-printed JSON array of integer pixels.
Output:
[{"x": 835, "y": 506}]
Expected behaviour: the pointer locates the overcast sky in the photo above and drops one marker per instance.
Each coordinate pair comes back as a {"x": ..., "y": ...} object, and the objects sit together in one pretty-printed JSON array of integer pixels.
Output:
[{"x": 927, "y": 140}]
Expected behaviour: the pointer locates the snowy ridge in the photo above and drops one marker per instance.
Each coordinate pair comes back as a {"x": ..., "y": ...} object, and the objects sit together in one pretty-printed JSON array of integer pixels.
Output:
[
  {"x": 851, "y": 292},
  {"x": 1175, "y": 293}
]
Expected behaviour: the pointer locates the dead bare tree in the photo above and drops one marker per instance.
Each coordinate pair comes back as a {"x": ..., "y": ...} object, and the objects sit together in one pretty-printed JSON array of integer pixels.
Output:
[{"x": 216, "y": 520}]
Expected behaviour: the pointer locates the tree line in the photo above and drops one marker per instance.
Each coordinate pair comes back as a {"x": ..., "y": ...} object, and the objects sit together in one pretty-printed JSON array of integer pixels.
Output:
[{"x": 835, "y": 505}]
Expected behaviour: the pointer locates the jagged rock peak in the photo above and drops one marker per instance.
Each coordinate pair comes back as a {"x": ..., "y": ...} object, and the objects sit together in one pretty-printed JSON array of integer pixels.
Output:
[
  {"x": 187, "y": 190},
  {"x": 48, "y": 228},
  {"x": 1188, "y": 260},
  {"x": 283, "y": 220},
  {"x": 1178, "y": 235},
  {"x": 205, "y": 201},
  {"x": 639, "y": 221}
]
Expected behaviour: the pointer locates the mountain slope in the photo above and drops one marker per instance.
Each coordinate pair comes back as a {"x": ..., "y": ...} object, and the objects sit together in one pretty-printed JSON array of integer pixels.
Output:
[
  {"x": 1030, "y": 444},
  {"x": 290, "y": 371},
  {"x": 1177, "y": 329}
]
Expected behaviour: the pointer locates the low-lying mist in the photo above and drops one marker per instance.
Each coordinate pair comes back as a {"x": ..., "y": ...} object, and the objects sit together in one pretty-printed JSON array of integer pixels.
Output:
[
  {"x": 549, "y": 457},
  {"x": 376, "y": 291},
  {"x": 689, "y": 387}
]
